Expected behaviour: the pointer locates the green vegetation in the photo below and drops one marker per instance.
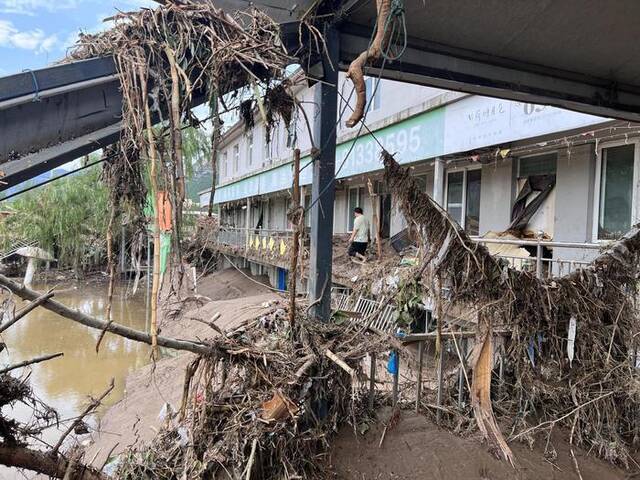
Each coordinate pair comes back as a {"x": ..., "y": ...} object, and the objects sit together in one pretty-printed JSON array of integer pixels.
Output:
[{"x": 67, "y": 217}]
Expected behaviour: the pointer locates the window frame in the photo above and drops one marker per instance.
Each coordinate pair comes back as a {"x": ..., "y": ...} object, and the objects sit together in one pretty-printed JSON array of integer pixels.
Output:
[
  {"x": 225, "y": 166},
  {"x": 464, "y": 170},
  {"x": 250, "y": 149},
  {"x": 236, "y": 158},
  {"x": 598, "y": 179},
  {"x": 524, "y": 157}
]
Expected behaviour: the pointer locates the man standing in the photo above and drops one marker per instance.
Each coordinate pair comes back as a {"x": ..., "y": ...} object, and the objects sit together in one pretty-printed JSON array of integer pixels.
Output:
[{"x": 359, "y": 236}]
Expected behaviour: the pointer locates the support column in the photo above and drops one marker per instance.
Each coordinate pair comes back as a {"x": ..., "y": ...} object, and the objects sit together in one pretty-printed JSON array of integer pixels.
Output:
[
  {"x": 438, "y": 182},
  {"x": 323, "y": 187},
  {"x": 247, "y": 226}
]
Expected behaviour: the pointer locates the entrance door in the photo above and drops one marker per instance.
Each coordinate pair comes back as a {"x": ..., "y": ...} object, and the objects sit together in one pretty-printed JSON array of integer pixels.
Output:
[{"x": 385, "y": 215}]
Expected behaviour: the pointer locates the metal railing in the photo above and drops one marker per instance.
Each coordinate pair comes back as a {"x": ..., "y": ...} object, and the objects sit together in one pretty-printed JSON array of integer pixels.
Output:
[
  {"x": 258, "y": 242},
  {"x": 275, "y": 243},
  {"x": 15, "y": 247},
  {"x": 543, "y": 267}
]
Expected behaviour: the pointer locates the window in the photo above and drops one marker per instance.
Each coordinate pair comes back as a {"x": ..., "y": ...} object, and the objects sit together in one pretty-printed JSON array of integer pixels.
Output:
[
  {"x": 236, "y": 158},
  {"x": 421, "y": 181},
  {"x": 266, "y": 159},
  {"x": 356, "y": 199},
  {"x": 373, "y": 98},
  {"x": 615, "y": 177},
  {"x": 225, "y": 170},
  {"x": 537, "y": 165},
  {"x": 463, "y": 198},
  {"x": 250, "y": 149}
]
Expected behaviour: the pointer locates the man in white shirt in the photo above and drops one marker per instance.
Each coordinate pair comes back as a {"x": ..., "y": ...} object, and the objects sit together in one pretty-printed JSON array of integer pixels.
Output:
[{"x": 359, "y": 236}]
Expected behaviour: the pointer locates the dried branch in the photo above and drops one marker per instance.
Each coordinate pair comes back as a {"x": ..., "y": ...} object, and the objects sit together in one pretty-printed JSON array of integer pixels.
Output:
[
  {"x": 84, "y": 319},
  {"x": 95, "y": 403},
  {"x": 25, "y": 363}
]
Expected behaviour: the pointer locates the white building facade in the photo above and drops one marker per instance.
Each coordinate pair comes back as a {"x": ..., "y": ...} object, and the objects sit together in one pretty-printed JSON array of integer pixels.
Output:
[{"x": 484, "y": 160}]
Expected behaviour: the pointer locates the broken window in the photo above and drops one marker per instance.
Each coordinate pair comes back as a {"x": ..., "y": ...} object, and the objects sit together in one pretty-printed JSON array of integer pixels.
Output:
[
  {"x": 463, "y": 198},
  {"x": 533, "y": 208},
  {"x": 616, "y": 191}
]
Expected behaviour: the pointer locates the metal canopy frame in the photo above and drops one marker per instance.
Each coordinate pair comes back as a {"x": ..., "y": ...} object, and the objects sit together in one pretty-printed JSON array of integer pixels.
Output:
[{"x": 445, "y": 48}]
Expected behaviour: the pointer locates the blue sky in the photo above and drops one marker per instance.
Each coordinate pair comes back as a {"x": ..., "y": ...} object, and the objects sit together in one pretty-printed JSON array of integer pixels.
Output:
[{"x": 34, "y": 33}]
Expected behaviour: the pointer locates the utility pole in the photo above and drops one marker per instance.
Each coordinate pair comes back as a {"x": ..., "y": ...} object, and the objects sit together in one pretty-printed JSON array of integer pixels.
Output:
[{"x": 323, "y": 187}]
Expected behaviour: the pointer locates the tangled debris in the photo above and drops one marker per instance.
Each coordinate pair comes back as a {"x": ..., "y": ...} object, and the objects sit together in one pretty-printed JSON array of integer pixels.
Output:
[
  {"x": 262, "y": 406},
  {"x": 596, "y": 394},
  {"x": 169, "y": 59}
]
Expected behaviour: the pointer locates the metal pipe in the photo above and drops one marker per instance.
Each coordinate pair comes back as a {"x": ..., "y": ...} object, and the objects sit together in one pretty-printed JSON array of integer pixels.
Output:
[
  {"x": 72, "y": 87},
  {"x": 419, "y": 375},
  {"x": 439, "y": 395},
  {"x": 461, "y": 372},
  {"x": 396, "y": 379},
  {"x": 372, "y": 380},
  {"x": 534, "y": 243}
]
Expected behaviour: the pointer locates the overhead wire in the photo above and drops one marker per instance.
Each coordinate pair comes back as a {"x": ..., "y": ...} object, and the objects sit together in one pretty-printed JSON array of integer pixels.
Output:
[
  {"x": 66, "y": 174},
  {"x": 396, "y": 12}
]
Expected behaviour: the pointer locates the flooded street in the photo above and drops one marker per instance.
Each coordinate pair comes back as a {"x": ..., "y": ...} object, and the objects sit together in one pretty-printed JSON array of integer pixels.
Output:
[{"x": 65, "y": 383}]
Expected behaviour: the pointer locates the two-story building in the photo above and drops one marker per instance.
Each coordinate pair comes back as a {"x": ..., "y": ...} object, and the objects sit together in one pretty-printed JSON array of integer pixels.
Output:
[{"x": 538, "y": 172}]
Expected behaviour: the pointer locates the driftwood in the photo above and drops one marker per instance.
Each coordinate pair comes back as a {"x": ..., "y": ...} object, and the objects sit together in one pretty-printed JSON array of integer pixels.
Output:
[
  {"x": 90, "y": 408},
  {"x": 89, "y": 321},
  {"x": 22, "y": 313},
  {"x": 55, "y": 466},
  {"x": 31, "y": 361}
]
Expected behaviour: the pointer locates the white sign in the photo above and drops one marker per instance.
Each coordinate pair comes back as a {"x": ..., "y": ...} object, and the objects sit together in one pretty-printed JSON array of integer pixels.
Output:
[{"x": 476, "y": 122}]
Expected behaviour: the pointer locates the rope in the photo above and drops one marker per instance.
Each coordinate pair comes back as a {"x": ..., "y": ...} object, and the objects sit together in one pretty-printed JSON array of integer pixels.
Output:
[{"x": 397, "y": 21}]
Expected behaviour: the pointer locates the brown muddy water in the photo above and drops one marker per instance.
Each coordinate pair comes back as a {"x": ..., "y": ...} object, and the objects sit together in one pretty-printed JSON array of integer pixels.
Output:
[{"x": 65, "y": 383}]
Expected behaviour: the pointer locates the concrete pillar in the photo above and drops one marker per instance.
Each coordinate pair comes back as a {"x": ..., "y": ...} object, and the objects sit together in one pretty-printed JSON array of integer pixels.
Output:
[{"x": 438, "y": 181}]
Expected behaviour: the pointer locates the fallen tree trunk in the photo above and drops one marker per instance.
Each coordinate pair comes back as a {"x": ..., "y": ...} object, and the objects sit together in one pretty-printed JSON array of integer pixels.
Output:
[
  {"x": 51, "y": 465},
  {"x": 77, "y": 316}
]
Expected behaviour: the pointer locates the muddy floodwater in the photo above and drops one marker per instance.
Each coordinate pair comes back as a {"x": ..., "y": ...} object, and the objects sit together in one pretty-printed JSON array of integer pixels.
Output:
[{"x": 66, "y": 382}]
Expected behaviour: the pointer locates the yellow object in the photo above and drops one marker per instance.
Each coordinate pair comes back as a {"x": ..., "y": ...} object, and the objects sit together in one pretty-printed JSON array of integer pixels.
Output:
[
  {"x": 283, "y": 247},
  {"x": 264, "y": 243},
  {"x": 272, "y": 243}
]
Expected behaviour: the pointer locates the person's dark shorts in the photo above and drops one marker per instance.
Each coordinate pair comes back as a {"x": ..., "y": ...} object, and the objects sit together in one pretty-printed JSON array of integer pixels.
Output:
[{"x": 357, "y": 247}]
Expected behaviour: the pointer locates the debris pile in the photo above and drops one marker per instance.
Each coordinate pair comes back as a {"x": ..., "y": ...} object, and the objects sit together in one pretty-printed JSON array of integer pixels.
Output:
[
  {"x": 263, "y": 405},
  {"x": 571, "y": 349}
]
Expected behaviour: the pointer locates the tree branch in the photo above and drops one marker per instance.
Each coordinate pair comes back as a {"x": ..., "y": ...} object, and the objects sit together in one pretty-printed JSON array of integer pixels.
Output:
[
  {"x": 89, "y": 321},
  {"x": 42, "y": 358},
  {"x": 51, "y": 465}
]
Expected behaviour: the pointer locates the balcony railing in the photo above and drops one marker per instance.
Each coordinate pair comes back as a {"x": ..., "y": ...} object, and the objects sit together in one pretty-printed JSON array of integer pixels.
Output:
[
  {"x": 275, "y": 244},
  {"x": 264, "y": 243},
  {"x": 545, "y": 267}
]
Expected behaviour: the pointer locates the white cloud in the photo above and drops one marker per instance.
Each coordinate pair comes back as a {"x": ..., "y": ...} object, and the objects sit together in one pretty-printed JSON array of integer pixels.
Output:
[
  {"x": 29, "y": 7},
  {"x": 35, "y": 40}
]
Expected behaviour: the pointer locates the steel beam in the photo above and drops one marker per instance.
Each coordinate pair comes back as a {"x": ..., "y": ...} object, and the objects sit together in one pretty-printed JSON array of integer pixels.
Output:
[
  {"x": 456, "y": 69},
  {"x": 25, "y": 168},
  {"x": 323, "y": 187}
]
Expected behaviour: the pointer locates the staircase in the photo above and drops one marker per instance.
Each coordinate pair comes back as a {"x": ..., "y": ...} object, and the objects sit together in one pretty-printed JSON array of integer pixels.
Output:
[{"x": 15, "y": 246}]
